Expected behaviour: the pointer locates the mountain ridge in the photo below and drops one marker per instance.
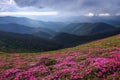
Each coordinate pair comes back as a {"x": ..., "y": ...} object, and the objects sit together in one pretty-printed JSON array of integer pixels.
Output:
[
  {"x": 87, "y": 28},
  {"x": 32, "y": 23}
]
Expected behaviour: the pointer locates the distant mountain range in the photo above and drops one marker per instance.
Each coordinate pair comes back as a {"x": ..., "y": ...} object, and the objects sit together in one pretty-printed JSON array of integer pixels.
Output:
[
  {"x": 16, "y": 28},
  {"x": 81, "y": 29},
  {"x": 44, "y": 33},
  {"x": 22, "y": 34},
  {"x": 113, "y": 20},
  {"x": 56, "y": 26},
  {"x": 21, "y": 29}
]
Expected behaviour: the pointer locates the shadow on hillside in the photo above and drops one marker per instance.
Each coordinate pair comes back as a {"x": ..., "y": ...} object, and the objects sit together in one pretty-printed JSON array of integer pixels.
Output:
[
  {"x": 72, "y": 42},
  {"x": 64, "y": 41}
]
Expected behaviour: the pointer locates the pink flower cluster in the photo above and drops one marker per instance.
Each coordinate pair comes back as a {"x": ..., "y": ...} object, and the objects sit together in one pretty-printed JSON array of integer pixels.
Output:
[{"x": 97, "y": 64}]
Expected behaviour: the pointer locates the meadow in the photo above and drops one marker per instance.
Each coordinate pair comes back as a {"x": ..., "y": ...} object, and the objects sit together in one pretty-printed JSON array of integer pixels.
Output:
[{"x": 97, "y": 60}]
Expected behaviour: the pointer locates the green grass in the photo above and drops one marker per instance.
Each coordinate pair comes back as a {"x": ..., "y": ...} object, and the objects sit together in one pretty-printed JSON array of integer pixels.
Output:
[
  {"x": 109, "y": 42},
  {"x": 72, "y": 58}
]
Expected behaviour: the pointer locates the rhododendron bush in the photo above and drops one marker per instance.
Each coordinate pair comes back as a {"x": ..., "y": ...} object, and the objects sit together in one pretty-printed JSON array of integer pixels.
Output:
[{"x": 87, "y": 64}]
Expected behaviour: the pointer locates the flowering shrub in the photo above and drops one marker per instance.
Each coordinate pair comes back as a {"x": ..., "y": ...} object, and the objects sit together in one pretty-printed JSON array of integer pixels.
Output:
[{"x": 94, "y": 64}]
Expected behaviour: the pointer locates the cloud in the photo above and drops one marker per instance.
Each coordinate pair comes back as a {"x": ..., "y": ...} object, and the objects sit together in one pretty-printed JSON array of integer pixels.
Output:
[
  {"x": 104, "y": 14},
  {"x": 117, "y": 14},
  {"x": 6, "y": 5},
  {"x": 90, "y": 14},
  {"x": 66, "y": 8},
  {"x": 74, "y": 6},
  {"x": 27, "y": 13},
  {"x": 12, "y": 6}
]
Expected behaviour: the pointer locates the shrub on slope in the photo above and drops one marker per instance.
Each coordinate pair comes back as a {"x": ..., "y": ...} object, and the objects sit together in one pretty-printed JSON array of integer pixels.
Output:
[{"x": 99, "y": 60}]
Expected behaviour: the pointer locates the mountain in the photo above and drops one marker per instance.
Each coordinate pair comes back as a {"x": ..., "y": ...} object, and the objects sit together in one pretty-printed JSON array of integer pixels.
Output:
[
  {"x": 30, "y": 35},
  {"x": 113, "y": 20},
  {"x": 21, "y": 29},
  {"x": 56, "y": 26},
  {"x": 70, "y": 40},
  {"x": 118, "y": 25},
  {"x": 44, "y": 33},
  {"x": 14, "y": 42},
  {"x": 87, "y": 28},
  {"x": 16, "y": 28},
  {"x": 24, "y": 42}
]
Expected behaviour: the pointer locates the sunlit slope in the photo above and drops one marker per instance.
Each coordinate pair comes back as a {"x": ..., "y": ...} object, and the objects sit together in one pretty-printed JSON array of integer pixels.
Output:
[{"x": 98, "y": 60}]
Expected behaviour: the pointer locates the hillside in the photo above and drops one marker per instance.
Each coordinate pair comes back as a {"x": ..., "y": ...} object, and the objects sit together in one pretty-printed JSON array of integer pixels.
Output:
[
  {"x": 71, "y": 40},
  {"x": 118, "y": 26},
  {"x": 44, "y": 33},
  {"x": 97, "y": 60},
  {"x": 20, "y": 38},
  {"x": 81, "y": 29},
  {"x": 13, "y": 42}
]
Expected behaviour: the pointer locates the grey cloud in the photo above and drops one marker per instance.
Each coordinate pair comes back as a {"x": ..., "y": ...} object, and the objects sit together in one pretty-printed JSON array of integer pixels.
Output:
[{"x": 75, "y": 6}]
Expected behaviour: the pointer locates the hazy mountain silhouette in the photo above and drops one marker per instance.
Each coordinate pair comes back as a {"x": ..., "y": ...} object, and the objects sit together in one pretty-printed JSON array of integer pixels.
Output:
[
  {"x": 56, "y": 26},
  {"x": 23, "y": 34},
  {"x": 16, "y": 28},
  {"x": 113, "y": 20},
  {"x": 87, "y": 28},
  {"x": 44, "y": 33},
  {"x": 21, "y": 29}
]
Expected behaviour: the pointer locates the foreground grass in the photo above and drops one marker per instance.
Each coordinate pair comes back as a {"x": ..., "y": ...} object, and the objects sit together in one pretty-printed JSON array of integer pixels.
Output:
[{"x": 97, "y": 60}]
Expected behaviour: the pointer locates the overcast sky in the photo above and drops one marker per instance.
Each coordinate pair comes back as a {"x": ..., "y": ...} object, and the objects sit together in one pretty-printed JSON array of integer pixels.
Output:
[{"x": 59, "y": 8}]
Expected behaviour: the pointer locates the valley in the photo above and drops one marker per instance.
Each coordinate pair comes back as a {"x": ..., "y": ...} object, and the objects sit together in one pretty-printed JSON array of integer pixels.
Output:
[{"x": 17, "y": 35}]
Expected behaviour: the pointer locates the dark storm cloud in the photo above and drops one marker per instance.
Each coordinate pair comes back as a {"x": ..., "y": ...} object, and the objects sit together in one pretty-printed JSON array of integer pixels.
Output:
[
  {"x": 75, "y": 6},
  {"x": 55, "y": 4}
]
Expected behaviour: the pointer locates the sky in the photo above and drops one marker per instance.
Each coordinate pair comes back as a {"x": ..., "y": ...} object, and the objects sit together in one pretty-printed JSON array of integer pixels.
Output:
[{"x": 56, "y": 9}]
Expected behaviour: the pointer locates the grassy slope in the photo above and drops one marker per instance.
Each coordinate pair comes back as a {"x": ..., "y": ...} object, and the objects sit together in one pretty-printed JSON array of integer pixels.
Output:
[
  {"x": 97, "y": 60},
  {"x": 109, "y": 42}
]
